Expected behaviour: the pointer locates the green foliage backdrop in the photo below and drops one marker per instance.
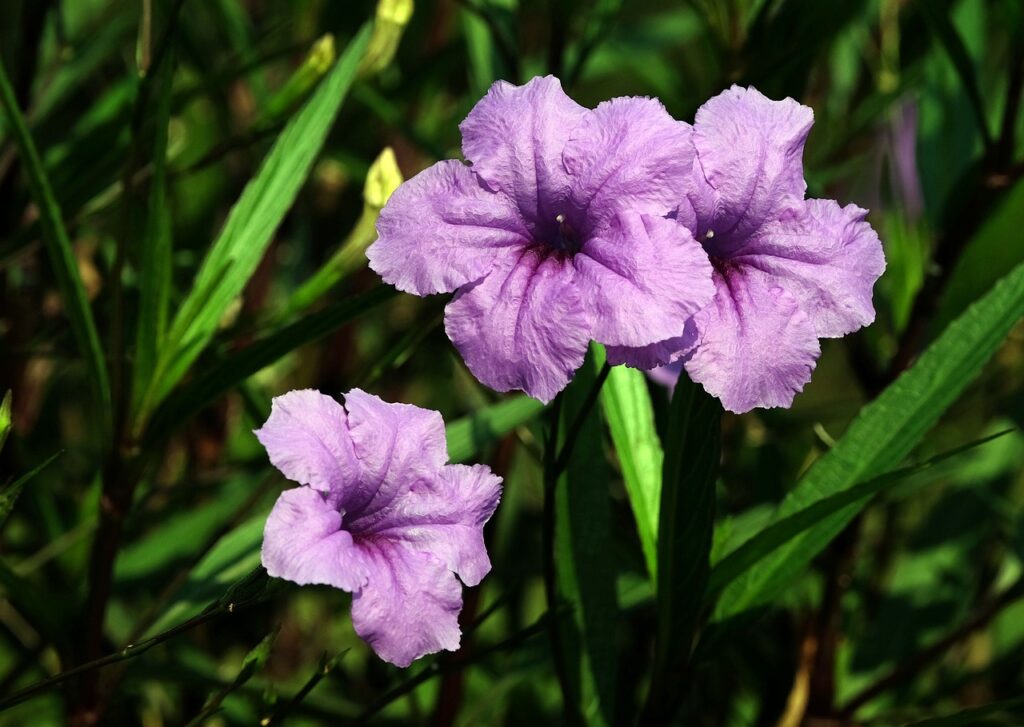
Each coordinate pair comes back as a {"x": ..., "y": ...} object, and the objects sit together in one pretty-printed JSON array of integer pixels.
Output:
[{"x": 186, "y": 191}]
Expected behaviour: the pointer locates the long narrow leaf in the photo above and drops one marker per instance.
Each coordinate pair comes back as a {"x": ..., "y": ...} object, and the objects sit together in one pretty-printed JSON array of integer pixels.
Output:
[
  {"x": 882, "y": 435},
  {"x": 630, "y": 416},
  {"x": 251, "y": 224},
  {"x": 685, "y": 525},
  {"x": 62, "y": 256},
  {"x": 241, "y": 365},
  {"x": 586, "y": 575},
  {"x": 155, "y": 264}
]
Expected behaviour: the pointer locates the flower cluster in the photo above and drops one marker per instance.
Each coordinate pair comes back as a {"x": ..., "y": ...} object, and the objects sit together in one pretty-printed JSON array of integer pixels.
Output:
[
  {"x": 675, "y": 246},
  {"x": 664, "y": 241}
]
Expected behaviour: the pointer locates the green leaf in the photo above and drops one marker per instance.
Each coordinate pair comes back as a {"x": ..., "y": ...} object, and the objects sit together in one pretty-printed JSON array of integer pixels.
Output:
[
  {"x": 240, "y": 365},
  {"x": 630, "y": 416},
  {"x": 586, "y": 575},
  {"x": 62, "y": 256},
  {"x": 685, "y": 525},
  {"x": 883, "y": 434},
  {"x": 5, "y": 418},
  {"x": 469, "y": 435},
  {"x": 778, "y": 533},
  {"x": 254, "y": 661},
  {"x": 1007, "y": 712},
  {"x": 9, "y": 496},
  {"x": 155, "y": 263},
  {"x": 251, "y": 224}
]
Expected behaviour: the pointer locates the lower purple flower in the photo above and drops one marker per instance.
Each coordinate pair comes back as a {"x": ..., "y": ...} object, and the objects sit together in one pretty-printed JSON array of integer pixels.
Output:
[
  {"x": 787, "y": 270},
  {"x": 380, "y": 515}
]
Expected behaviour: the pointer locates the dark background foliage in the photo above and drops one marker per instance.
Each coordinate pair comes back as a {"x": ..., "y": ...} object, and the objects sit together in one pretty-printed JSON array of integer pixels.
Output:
[{"x": 151, "y": 514}]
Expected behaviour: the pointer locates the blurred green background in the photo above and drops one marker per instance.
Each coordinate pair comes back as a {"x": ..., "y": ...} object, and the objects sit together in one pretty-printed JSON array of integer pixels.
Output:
[{"x": 160, "y": 487}]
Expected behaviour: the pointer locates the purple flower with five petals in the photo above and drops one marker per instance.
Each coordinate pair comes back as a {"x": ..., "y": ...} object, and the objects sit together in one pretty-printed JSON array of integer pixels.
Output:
[
  {"x": 380, "y": 515},
  {"x": 787, "y": 270},
  {"x": 556, "y": 235}
]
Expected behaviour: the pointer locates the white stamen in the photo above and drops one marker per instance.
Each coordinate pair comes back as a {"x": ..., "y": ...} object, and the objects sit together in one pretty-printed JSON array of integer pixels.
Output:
[{"x": 709, "y": 234}]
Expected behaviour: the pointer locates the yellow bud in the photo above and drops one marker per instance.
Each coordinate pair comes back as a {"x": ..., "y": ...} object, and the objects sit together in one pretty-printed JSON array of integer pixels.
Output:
[
  {"x": 392, "y": 17},
  {"x": 382, "y": 179}
]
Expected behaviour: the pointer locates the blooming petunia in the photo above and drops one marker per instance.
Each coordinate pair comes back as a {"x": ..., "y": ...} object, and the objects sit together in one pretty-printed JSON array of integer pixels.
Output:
[
  {"x": 380, "y": 514},
  {"x": 556, "y": 235},
  {"x": 787, "y": 270}
]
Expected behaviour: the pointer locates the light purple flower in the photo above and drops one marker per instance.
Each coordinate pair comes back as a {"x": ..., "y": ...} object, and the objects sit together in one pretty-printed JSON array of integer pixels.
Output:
[
  {"x": 788, "y": 270},
  {"x": 555, "y": 235},
  {"x": 380, "y": 515}
]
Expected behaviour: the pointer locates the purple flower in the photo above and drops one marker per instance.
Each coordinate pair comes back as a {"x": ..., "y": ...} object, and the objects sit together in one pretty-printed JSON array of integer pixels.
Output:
[
  {"x": 787, "y": 270},
  {"x": 381, "y": 515},
  {"x": 555, "y": 236}
]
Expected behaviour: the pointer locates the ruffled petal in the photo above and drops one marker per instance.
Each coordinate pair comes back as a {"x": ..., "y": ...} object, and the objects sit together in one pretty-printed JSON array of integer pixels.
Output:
[
  {"x": 514, "y": 137},
  {"x": 397, "y": 445},
  {"x": 756, "y": 348},
  {"x": 658, "y": 354},
  {"x": 827, "y": 257},
  {"x": 445, "y": 517},
  {"x": 750, "y": 149},
  {"x": 642, "y": 279},
  {"x": 303, "y": 542},
  {"x": 523, "y": 326},
  {"x": 307, "y": 439},
  {"x": 443, "y": 229},
  {"x": 410, "y": 605},
  {"x": 628, "y": 154}
]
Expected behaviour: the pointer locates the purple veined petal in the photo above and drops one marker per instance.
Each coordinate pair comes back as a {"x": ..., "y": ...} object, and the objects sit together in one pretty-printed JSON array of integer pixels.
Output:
[
  {"x": 514, "y": 138},
  {"x": 410, "y": 605},
  {"x": 827, "y": 257},
  {"x": 445, "y": 517},
  {"x": 397, "y": 445},
  {"x": 303, "y": 542},
  {"x": 628, "y": 154},
  {"x": 641, "y": 279},
  {"x": 756, "y": 348},
  {"x": 668, "y": 374},
  {"x": 750, "y": 149},
  {"x": 523, "y": 326},
  {"x": 656, "y": 356},
  {"x": 307, "y": 439},
  {"x": 443, "y": 229}
]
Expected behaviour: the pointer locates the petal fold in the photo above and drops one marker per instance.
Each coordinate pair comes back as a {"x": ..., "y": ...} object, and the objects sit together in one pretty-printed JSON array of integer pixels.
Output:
[
  {"x": 443, "y": 229},
  {"x": 523, "y": 326},
  {"x": 827, "y": 257},
  {"x": 628, "y": 154},
  {"x": 750, "y": 149},
  {"x": 397, "y": 445},
  {"x": 303, "y": 542},
  {"x": 642, "y": 278},
  {"x": 514, "y": 138},
  {"x": 410, "y": 605},
  {"x": 756, "y": 348},
  {"x": 307, "y": 439}
]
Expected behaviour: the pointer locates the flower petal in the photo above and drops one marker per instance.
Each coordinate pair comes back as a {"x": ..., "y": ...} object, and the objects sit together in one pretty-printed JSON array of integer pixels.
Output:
[
  {"x": 397, "y": 445},
  {"x": 445, "y": 517},
  {"x": 757, "y": 347},
  {"x": 409, "y": 607},
  {"x": 442, "y": 229},
  {"x": 303, "y": 542},
  {"x": 750, "y": 149},
  {"x": 514, "y": 137},
  {"x": 307, "y": 439},
  {"x": 658, "y": 354},
  {"x": 642, "y": 279},
  {"x": 628, "y": 154},
  {"x": 827, "y": 257},
  {"x": 523, "y": 326}
]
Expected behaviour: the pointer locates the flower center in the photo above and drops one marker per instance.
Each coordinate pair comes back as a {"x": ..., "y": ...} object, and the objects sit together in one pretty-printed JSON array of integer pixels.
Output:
[{"x": 564, "y": 238}]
